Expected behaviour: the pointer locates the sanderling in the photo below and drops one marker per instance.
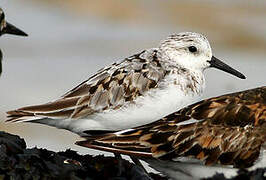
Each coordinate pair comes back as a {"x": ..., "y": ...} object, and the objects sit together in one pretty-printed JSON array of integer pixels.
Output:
[
  {"x": 217, "y": 135},
  {"x": 141, "y": 89},
  {"x": 7, "y": 28}
]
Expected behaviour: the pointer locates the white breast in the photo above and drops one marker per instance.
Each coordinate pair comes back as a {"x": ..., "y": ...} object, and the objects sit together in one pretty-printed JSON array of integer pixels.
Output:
[{"x": 154, "y": 105}]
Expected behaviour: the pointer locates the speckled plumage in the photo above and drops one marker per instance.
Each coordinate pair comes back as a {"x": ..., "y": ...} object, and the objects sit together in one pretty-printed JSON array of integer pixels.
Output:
[
  {"x": 110, "y": 88},
  {"x": 138, "y": 90},
  {"x": 228, "y": 130}
]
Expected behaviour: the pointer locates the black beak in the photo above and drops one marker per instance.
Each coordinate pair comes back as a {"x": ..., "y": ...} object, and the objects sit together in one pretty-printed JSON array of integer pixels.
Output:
[
  {"x": 10, "y": 29},
  {"x": 216, "y": 63}
]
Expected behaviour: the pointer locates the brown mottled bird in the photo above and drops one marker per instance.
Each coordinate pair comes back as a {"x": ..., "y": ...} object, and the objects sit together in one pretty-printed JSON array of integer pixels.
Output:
[{"x": 219, "y": 134}]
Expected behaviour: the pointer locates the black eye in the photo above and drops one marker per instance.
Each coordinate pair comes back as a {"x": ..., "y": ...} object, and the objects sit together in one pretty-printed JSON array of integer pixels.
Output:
[{"x": 192, "y": 49}]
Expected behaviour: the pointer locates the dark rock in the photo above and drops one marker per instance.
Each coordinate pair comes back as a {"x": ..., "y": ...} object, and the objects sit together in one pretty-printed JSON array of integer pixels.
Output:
[
  {"x": 13, "y": 143},
  {"x": 17, "y": 162}
]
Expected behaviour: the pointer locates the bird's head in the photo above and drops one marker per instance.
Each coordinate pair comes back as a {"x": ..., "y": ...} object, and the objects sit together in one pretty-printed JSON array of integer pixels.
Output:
[{"x": 193, "y": 51}]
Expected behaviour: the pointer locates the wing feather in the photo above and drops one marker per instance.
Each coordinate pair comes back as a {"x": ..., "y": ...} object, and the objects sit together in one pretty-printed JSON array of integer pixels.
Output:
[{"x": 109, "y": 88}]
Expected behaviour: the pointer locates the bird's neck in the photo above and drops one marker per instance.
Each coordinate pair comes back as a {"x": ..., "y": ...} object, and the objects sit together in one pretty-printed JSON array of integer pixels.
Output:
[
  {"x": 192, "y": 82},
  {"x": 188, "y": 80}
]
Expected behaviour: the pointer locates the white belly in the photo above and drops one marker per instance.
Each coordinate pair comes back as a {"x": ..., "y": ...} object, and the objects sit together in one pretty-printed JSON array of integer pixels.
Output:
[
  {"x": 186, "y": 171},
  {"x": 146, "y": 109},
  {"x": 196, "y": 170}
]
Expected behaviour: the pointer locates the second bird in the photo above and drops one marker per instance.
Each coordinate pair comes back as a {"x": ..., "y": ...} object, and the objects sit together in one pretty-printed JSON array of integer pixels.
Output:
[{"x": 7, "y": 28}]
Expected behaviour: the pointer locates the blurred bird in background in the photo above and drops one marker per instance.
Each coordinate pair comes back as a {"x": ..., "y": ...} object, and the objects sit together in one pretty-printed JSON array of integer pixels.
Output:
[{"x": 7, "y": 28}]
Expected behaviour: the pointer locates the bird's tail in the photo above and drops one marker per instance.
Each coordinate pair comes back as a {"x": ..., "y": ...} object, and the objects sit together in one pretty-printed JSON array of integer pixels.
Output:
[
  {"x": 21, "y": 116},
  {"x": 60, "y": 109},
  {"x": 125, "y": 142}
]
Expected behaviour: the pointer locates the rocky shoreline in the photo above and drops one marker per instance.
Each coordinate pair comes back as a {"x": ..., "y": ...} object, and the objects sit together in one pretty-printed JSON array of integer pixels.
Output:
[{"x": 19, "y": 162}]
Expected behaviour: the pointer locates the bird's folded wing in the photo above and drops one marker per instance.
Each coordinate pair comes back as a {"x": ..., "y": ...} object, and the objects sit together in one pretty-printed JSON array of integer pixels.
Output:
[{"x": 109, "y": 88}]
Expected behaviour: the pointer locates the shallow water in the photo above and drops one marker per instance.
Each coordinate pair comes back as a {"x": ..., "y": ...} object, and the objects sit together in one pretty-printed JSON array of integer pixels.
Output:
[{"x": 64, "y": 50}]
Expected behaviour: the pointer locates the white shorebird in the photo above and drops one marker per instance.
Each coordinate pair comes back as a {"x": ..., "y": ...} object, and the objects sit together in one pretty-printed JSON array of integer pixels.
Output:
[
  {"x": 7, "y": 28},
  {"x": 217, "y": 135},
  {"x": 141, "y": 89}
]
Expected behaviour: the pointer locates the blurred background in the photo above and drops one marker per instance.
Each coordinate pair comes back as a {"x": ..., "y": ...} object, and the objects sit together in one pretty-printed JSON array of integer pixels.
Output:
[{"x": 69, "y": 40}]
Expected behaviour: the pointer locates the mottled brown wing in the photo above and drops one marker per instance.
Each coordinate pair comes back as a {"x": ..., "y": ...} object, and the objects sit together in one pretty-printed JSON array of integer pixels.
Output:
[
  {"x": 212, "y": 138},
  {"x": 212, "y": 144},
  {"x": 110, "y": 88},
  {"x": 236, "y": 109}
]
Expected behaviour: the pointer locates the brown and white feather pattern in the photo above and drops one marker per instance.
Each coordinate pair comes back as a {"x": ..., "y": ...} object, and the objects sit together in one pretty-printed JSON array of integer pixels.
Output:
[
  {"x": 115, "y": 88},
  {"x": 228, "y": 130},
  {"x": 109, "y": 88},
  {"x": 139, "y": 90},
  {"x": 142, "y": 80}
]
